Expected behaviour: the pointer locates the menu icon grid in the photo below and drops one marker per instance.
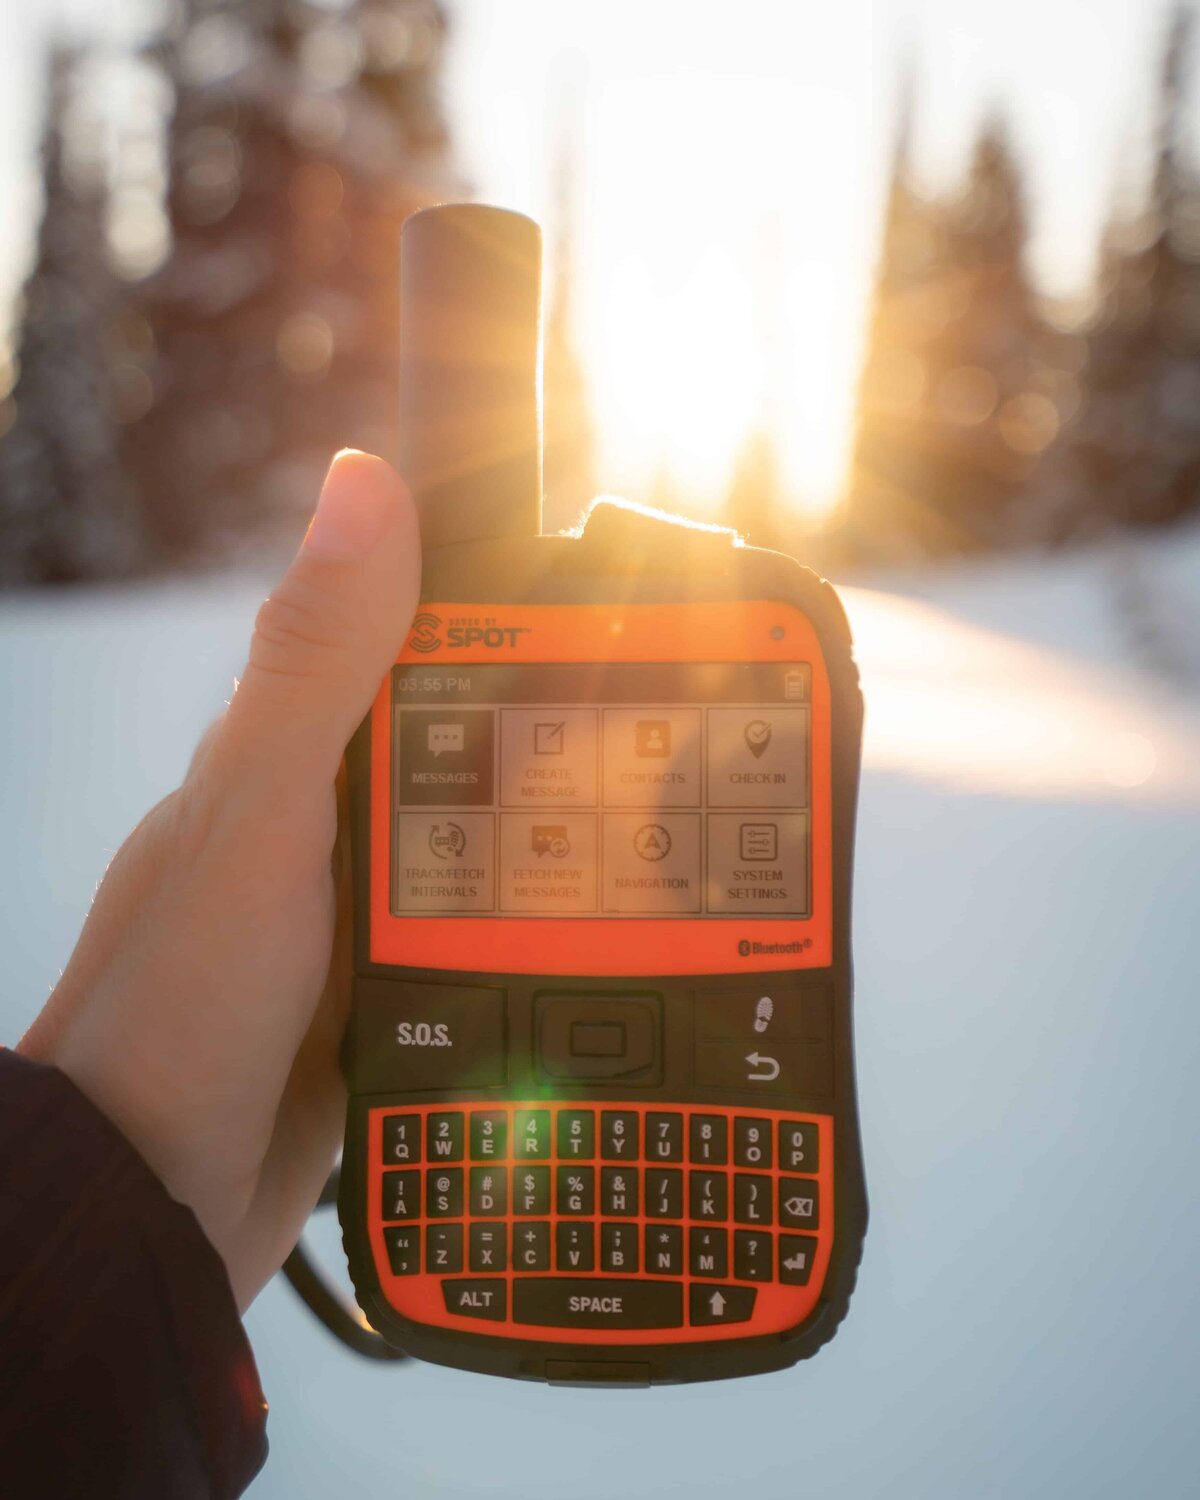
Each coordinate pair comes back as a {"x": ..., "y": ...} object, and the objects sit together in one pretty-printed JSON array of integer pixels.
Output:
[{"x": 621, "y": 808}]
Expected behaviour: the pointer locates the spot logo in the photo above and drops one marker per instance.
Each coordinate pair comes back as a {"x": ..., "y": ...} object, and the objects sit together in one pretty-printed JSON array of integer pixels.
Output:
[{"x": 424, "y": 635}]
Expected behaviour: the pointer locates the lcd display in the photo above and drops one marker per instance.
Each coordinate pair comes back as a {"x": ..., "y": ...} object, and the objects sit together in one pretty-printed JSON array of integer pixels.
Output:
[{"x": 626, "y": 790}]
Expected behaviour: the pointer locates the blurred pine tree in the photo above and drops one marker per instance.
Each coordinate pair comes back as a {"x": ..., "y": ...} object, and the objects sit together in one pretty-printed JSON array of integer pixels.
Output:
[
  {"x": 301, "y": 137},
  {"x": 1134, "y": 455},
  {"x": 956, "y": 399},
  {"x": 66, "y": 511}
]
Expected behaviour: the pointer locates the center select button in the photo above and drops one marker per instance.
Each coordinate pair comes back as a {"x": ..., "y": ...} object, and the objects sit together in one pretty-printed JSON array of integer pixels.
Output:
[
  {"x": 590, "y": 1302},
  {"x": 594, "y": 1038},
  {"x": 598, "y": 1039},
  {"x": 548, "y": 755},
  {"x": 652, "y": 757},
  {"x": 425, "y": 1036}
]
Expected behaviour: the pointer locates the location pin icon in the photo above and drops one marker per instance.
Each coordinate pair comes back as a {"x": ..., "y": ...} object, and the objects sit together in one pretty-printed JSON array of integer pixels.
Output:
[{"x": 758, "y": 736}]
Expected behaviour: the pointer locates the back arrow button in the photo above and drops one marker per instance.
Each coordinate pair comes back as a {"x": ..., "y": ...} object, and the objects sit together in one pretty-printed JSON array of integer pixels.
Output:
[{"x": 804, "y": 1068}]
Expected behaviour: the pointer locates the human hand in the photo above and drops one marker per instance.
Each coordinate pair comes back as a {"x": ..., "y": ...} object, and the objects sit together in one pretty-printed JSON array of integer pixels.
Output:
[{"x": 199, "y": 1010}]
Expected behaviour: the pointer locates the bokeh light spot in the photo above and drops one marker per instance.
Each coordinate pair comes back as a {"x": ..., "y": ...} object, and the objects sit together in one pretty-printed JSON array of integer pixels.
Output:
[
  {"x": 304, "y": 344},
  {"x": 1129, "y": 759},
  {"x": 315, "y": 191},
  {"x": 1028, "y": 423}
]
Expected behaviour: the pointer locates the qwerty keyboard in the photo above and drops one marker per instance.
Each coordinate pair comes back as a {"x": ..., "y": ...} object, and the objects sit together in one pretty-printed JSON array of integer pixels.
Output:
[{"x": 610, "y": 1217}]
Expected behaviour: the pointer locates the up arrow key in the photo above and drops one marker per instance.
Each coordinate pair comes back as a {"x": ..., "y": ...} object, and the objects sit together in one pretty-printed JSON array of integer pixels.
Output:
[{"x": 716, "y": 1304}]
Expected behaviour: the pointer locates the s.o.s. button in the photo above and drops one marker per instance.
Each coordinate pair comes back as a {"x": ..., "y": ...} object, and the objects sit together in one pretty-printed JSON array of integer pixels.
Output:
[{"x": 425, "y": 1036}]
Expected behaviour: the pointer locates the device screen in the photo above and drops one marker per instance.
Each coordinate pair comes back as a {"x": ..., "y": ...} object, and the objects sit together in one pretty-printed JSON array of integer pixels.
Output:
[{"x": 670, "y": 790}]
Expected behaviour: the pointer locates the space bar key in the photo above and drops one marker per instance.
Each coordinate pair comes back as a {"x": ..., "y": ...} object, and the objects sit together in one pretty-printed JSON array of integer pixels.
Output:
[{"x": 590, "y": 1302}]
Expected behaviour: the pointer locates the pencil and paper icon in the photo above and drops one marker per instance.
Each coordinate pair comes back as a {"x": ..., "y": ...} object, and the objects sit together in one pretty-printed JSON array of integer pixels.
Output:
[{"x": 549, "y": 737}]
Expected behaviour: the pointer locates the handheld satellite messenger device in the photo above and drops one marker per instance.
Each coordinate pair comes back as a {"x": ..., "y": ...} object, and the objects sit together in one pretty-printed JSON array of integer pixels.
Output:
[{"x": 602, "y": 1123}]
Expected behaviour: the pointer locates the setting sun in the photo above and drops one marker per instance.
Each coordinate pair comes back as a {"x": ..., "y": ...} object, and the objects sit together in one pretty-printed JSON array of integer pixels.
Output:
[
  {"x": 674, "y": 369},
  {"x": 719, "y": 304}
]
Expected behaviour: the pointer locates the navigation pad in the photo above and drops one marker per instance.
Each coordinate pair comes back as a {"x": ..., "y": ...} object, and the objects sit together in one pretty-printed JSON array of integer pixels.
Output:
[{"x": 620, "y": 808}]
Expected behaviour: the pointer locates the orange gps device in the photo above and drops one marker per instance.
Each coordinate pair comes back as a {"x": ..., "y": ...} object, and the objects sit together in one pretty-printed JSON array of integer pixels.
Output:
[{"x": 602, "y": 1124}]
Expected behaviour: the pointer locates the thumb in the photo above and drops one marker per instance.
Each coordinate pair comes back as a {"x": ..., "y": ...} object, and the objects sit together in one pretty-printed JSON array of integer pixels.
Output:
[{"x": 330, "y": 631}]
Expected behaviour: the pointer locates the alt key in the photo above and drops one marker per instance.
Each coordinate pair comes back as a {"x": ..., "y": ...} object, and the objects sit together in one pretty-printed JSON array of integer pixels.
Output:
[{"x": 476, "y": 1299}]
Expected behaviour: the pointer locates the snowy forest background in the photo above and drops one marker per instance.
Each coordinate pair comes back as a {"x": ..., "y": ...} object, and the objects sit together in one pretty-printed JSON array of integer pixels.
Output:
[{"x": 212, "y": 311}]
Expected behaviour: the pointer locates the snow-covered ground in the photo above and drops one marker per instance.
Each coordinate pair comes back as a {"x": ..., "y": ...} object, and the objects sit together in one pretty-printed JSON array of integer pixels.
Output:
[{"x": 1027, "y": 1321}]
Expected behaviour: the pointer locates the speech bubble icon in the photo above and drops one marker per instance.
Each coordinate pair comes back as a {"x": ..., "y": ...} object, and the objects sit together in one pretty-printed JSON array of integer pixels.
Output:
[{"x": 443, "y": 737}]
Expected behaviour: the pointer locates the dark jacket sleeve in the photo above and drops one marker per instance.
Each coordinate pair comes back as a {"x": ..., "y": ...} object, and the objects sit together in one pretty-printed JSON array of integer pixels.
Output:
[{"x": 124, "y": 1368}]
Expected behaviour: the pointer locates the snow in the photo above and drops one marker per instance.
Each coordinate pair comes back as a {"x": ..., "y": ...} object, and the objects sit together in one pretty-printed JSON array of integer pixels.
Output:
[
  {"x": 1028, "y": 966},
  {"x": 1075, "y": 602}
]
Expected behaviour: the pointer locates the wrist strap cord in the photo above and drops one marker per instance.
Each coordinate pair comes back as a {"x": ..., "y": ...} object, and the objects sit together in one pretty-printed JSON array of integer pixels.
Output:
[{"x": 329, "y": 1306}]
